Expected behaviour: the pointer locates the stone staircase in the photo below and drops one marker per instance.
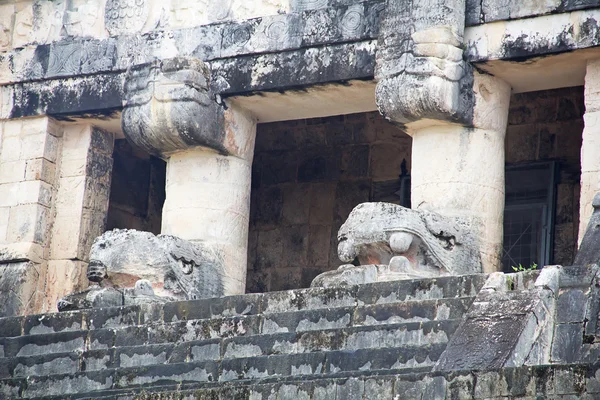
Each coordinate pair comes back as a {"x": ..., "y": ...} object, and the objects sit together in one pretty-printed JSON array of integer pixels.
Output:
[{"x": 233, "y": 342}]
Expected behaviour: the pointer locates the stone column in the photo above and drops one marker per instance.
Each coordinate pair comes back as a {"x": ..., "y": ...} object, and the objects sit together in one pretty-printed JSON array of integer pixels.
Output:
[
  {"x": 459, "y": 170},
  {"x": 590, "y": 147},
  {"x": 456, "y": 116},
  {"x": 208, "y": 148}
]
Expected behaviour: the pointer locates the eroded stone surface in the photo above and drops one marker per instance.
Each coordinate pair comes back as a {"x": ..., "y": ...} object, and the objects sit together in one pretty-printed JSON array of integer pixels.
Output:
[
  {"x": 132, "y": 267},
  {"x": 391, "y": 242}
]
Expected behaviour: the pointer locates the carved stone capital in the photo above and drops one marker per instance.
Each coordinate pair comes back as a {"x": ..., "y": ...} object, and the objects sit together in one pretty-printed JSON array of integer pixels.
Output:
[
  {"x": 168, "y": 107},
  {"x": 420, "y": 69}
]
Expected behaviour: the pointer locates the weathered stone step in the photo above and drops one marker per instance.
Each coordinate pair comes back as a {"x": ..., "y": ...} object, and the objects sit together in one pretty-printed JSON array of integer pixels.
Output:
[
  {"x": 249, "y": 304},
  {"x": 539, "y": 382},
  {"x": 219, "y": 328},
  {"x": 367, "y": 337},
  {"x": 317, "y": 364}
]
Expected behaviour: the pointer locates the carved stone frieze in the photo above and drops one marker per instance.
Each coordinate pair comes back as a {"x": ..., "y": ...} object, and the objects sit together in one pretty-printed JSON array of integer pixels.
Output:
[
  {"x": 390, "y": 242},
  {"x": 126, "y": 16}
]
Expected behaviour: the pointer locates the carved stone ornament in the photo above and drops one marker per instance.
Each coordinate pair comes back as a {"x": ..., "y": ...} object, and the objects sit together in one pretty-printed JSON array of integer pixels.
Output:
[
  {"x": 168, "y": 107},
  {"x": 391, "y": 242},
  {"x": 420, "y": 69},
  {"x": 132, "y": 267},
  {"x": 126, "y": 16}
]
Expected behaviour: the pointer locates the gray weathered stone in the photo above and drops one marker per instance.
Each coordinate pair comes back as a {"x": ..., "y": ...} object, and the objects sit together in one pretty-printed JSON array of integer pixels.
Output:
[
  {"x": 521, "y": 322},
  {"x": 420, "y": 68},
  {"x": 133, "y": 267},
  {"x": 392, "y": 242},
  {"x": 168, "y": 107},
  {"x": 589, "y": 250}
]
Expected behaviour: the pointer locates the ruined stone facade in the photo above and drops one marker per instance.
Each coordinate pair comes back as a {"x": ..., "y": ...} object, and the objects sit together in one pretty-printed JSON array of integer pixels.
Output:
[{"x": 241, "y": 139}]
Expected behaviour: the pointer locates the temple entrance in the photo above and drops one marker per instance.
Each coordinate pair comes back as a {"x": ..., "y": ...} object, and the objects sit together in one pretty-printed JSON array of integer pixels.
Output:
[{"x": 307, "y": 177}]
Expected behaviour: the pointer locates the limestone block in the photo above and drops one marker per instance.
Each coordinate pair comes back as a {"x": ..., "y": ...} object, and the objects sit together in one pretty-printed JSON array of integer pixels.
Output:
[
  {"x": 6, "y": 97},
  {"x": 122, "y": 16},
  {"x": 39, "y": 146},
  {"x": 185, "y": 14},
  {"x": 84, "y": 18},
  {"x": 23, "y": 251},
  {"x": 63, "y": 277},
  {"x": 23, "y": 25},
  {"x": 66, "y": 236},
  {"x": 35, "y": 192},
  {"x": 37, "y": 22},
  {"x": 522, "y": 320},
  {"x": 11, "y": 149},
  {"x": 76, "y": 142},
  {"x": 18, "y": 284},
  {"x": 6, "y": 14},
  {"x": 12, "y": 171},
  {"x": 590, "y": 241},
  {"x": 592, "y": 86},
  {"x": 4, "y": 214},
  {"x": 40, "y": 169},
  {"x": 28, "y": 223},
  {"x": 71, "y": 192},
  {"x": 420, "y": 70}
]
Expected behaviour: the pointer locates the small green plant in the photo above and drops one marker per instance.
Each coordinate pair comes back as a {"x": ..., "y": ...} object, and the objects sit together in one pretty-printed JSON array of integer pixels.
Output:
[{"x": 521, "y": 268}]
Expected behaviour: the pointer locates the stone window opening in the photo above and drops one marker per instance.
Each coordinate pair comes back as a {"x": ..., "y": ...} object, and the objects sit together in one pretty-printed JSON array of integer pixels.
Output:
[{"x": 137, "y": 189}]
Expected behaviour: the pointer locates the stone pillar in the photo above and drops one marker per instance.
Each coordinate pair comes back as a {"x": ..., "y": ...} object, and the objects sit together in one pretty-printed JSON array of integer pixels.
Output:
[
  {"x": 208, "y": 199},
  {"x": 54, "y": 186},
  {"x": 590, "y": 147},
  {"x": 456, "y": 116},
  {"x": 81, "y": 206},
  {"x": 29, "y": 150},
  {"x": 459, "y": 170},
  {"x": 208, "y": 147}
]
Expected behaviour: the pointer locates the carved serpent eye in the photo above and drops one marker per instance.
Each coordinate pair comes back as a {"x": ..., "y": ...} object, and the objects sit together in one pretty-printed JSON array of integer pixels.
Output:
[{"x": 186, "y": 267}]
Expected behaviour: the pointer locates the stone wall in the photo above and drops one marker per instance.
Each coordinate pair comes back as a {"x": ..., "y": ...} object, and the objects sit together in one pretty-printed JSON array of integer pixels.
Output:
[
  {"x": 546, "y": 126},
  {"x": 307, "y": 177},
  {"x": 137, "y": 191}
]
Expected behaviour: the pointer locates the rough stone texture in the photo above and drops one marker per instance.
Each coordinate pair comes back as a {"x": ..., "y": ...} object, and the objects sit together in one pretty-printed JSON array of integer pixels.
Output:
[
  {"x": 304, "y": 344},
  {"x": 590, "y": 166},
  {"x": 527, "y": 38},
  {"x": 20, "y": 285},
  {"x": 215, "y": 188},
  {"x": 447, "y": 175},
  {"x": 520, "y": 321},
  {"x": 295, "y": 336},
  {"x": 29, "y": 180},
  {"x": 81, "y": 204},
  {"x": 144, "y": 263},
  {"x": 307, "y": 177},
  {"x": 168, "y": 107},
  {"x": 410, "y": 243},
  {"x": 547, "y": 126},
  {"x": 481, "y": 12},
  {"x": 420, "y": 69}
]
